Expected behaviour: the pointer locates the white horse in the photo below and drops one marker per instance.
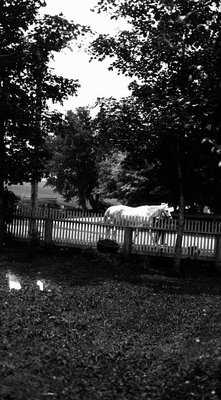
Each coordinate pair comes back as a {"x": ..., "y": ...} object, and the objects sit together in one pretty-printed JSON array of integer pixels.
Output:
[
  {"x": 144, "y": 215},
  {"x": 147, "y": 212}
]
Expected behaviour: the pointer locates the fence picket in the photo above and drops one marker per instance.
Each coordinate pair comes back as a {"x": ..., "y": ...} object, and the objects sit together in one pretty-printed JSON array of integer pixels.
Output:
[{"x": 85, "y": 228}]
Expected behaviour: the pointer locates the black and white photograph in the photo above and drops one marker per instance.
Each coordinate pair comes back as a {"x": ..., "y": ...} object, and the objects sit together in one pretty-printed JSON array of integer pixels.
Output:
[{"x": 110, "y": 199}]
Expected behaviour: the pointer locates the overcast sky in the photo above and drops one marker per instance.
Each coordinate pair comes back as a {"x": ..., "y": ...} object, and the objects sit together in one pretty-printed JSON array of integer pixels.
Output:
[{"x": 95, "y": 79}]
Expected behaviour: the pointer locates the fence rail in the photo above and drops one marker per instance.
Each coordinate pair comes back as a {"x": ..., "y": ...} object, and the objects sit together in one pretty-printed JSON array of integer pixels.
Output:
[{"x": 200, "y": 239}]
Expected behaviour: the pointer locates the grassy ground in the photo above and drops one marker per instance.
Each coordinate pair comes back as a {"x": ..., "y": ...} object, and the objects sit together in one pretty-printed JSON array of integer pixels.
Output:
[
  {"x": 102, "y": 330},
  {"x": 45, "y": 194},
  {"x": 25, "y": 190}
]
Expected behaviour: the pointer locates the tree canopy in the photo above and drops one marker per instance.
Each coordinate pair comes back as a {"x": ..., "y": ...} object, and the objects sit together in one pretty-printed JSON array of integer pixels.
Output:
[
  {"x": 172, "y": 51},
  {"x": 27, "y": 43},
  {"x": 27, "y": 83},
  {"x": 72, "y": 169}
]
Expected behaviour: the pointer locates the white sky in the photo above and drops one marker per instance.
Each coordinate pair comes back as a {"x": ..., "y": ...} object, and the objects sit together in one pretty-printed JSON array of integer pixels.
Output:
[{"x": 95, "y": 79}]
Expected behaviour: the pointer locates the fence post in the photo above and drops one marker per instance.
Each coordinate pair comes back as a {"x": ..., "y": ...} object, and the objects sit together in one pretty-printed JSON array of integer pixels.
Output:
[
  {"x": 218, "y": 252},
  {"x": 127, "y": 247},
  {"x": 48, "y": 230},
  {"x": 32, "y": 222}
]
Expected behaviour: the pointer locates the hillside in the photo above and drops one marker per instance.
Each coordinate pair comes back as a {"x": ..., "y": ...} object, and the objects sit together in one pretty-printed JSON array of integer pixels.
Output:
[
  {"x": 45, "y": 194},
  {"x": 24, "y": 191}
]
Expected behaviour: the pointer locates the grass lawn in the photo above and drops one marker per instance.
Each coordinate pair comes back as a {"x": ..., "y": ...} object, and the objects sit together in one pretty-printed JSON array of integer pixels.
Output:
[
  {"x": 25, "y": 190},
  {"x": 103, "y": 331}
]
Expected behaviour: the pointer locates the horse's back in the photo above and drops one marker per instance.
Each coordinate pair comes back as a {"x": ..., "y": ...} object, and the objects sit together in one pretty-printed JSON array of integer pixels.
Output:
[
  {"x": 143, "y": 212},
  {"x": 113, "y": 209}
]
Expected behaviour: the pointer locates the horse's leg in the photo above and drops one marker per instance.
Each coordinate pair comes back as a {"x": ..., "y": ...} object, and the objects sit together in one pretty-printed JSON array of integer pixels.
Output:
[
  {"x": 108, "y": 229},
  {"x": 153, "y": 231},
  {"x": 156, "y": 237},
  {"x": 136, "y": 232},
  {"x": 114, "y": 233},
  {"x": 111, "y": 232},
  {"x": 162, "y": 237},
  {"x": 153, "y": 237}
]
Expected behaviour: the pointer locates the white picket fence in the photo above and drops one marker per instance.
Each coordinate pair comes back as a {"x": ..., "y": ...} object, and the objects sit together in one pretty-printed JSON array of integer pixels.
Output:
[{"x": 86, "y": 228}]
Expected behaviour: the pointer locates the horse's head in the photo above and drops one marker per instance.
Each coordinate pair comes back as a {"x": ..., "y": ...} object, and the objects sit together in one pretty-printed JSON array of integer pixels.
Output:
[{"x": 165, "y": 211}]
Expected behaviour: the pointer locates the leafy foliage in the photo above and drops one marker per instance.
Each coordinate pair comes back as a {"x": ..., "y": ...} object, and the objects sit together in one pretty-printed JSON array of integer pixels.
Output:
[
  {"x": 28, "y": 83},
  {"x": 27, "y": 43},
  {"x": 139, "y": 157},
  {"x": 172, "y": 49},
  {"x": 72, "y": 170}
]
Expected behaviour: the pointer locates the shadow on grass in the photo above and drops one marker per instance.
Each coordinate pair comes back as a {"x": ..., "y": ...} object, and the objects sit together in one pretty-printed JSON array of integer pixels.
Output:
[{"x": 75, "y": 267}]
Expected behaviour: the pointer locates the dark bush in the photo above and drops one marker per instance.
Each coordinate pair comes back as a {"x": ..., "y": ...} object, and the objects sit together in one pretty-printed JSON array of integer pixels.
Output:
[{"x": 10, "y": 202}]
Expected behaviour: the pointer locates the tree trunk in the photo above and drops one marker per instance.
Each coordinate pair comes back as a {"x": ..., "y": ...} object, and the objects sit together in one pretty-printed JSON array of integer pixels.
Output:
[
  {"x": 34, "y": 199},
  {"x": 2, "y": 179},
  {"x": 82, "y": 202},
  {"x": 178, "y": 247},
  {"x": 97, "y": 204},
  {"x": 34, "y": 194}
]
